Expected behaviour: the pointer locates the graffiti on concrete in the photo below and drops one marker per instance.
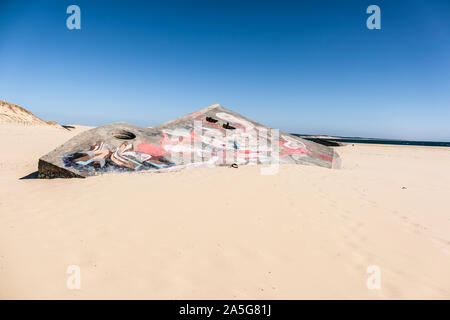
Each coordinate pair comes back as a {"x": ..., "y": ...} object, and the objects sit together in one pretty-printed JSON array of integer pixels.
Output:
[
  {"x": 213, "y": 137},
  {"x": 100, "y": 157},
  {"x": 222, "y": 139}
]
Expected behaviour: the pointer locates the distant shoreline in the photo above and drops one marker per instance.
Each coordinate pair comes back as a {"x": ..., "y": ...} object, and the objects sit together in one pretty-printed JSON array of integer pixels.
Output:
[{"x": 377, "y": 141}]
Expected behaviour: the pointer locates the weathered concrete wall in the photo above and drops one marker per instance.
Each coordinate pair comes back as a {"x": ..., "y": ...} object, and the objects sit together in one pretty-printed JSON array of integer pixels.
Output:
[{"x": 212, "y": 136}]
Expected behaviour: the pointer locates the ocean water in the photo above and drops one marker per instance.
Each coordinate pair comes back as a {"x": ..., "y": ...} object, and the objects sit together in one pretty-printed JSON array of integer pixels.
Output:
[
  {"x": 383, "y": 141},
  {"x": 395, "y": 142}
]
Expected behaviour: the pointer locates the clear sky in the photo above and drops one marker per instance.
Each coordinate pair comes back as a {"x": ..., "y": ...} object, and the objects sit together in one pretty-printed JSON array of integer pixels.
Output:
[{"x": 308, "y": 67}]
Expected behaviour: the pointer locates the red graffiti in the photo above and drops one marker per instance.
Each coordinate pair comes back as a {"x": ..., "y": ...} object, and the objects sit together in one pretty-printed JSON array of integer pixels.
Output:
[
  {"x": 181, "y": 140},
  {"x": 325, "y": 157},
  {"x": 151, "y": 149},
  {"x": 290, "y": 151}
]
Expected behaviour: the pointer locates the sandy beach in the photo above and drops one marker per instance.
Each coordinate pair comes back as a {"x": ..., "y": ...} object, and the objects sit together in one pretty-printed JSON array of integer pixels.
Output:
[{"x": 224, "y": 233}]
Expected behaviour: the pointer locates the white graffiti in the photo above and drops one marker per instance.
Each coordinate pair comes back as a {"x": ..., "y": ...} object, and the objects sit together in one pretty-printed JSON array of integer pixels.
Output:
[{"x": 232, "y": 119}]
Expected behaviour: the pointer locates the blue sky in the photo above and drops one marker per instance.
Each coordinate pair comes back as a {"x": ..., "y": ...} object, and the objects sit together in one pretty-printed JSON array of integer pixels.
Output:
[{"x": 302, "y": 66}]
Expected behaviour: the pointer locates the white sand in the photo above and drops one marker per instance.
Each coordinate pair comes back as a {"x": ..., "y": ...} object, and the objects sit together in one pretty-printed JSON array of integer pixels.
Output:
[{"x": 307, "y": 232}]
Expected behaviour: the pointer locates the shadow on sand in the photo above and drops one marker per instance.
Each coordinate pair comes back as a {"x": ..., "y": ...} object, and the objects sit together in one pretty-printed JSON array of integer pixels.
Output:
[{"x": 33, "y": 175}]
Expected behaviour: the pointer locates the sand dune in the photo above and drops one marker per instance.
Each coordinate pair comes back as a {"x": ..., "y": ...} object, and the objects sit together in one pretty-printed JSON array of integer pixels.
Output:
[
  {"x": 307, "y": 232},
  {"x": 13, "y": 114}
]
